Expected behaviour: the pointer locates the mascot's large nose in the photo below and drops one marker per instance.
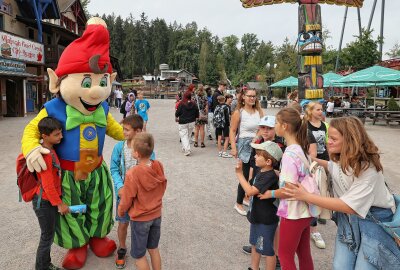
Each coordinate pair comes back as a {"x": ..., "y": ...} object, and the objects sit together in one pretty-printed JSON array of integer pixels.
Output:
[{"x": 96, "y": 92}]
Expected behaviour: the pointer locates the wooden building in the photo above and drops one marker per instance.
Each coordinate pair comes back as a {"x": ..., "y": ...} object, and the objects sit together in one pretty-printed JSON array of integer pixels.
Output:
[{"x": 32, "y": 41}]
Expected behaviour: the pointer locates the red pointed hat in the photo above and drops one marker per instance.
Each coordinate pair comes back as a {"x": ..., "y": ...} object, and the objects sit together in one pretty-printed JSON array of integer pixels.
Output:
[{"x": 90, "y": 53}]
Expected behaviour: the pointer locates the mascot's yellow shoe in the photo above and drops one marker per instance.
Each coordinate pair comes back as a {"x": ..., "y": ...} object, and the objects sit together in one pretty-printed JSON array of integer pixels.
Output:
[{"x": 75, "y": 258}]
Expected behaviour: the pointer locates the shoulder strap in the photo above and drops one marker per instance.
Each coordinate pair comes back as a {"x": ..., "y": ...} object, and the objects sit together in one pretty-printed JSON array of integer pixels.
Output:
[{"x": 197, "y": 99}]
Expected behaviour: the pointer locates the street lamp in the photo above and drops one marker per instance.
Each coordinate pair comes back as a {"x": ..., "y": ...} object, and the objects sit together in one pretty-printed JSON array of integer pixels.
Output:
[{"x": 270, "y": 77}]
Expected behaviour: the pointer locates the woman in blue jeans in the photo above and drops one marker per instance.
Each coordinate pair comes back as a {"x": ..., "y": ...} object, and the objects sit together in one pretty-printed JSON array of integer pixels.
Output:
[
  {"x": 361, "y": 198},
  {"x": 244, "y": 126}
]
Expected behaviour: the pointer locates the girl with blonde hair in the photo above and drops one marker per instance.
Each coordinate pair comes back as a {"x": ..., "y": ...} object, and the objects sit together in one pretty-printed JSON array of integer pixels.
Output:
[{"x": 317, "y": 136}]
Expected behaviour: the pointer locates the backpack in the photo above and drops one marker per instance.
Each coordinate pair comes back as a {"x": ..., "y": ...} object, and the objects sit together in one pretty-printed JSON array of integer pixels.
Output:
[
  {"x": 316, "y": 182},
  {"x": 122, "y": 109},
  {"x": 28, "y": 182},
  {"x": 219, "y": 116}
]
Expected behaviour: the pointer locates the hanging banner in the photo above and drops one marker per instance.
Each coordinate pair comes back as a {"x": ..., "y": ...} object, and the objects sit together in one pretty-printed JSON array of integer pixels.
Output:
[{"x": 21, "y": 49}]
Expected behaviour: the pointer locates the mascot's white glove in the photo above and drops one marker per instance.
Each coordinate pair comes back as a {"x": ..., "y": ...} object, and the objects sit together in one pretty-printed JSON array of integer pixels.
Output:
[{"x": 35, "y": 161}]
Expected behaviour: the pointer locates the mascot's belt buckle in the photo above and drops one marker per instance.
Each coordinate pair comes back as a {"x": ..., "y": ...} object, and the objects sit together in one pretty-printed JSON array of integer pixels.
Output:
[{"x": 88, "y": 162}]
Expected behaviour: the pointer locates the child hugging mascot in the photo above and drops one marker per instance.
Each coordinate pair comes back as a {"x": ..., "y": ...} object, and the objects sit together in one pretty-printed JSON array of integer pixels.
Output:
[{"x": 82, "y": 81}]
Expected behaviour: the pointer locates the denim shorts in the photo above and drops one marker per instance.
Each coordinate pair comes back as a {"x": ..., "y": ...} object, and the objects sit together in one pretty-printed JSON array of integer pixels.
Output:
[
  {"x": 262, "y": 237},
  {"x": 126, "y": 218},
  {"x": 144, "y": 235}
]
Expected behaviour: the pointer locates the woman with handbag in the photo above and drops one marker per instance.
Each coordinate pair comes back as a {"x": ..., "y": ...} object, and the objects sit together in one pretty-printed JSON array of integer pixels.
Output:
[
  {"x": 361, "y": 200},
  {"x": 202, "y": 104}
]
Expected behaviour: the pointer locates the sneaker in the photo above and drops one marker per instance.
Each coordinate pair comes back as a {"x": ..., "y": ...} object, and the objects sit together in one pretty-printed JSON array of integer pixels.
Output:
[
  {"x": 53, "y": 267},
  {"x": 322, "y": 221},
  {"x": 187, "y": 153},
  {"x": 220, "y": 154},
  {"x": 210, "y": 137},
  {"x": 246, "y": 250},
  {"x": 240, "y": 211},
  {"x": 317, "y": 238},
  {"x": 247, "y": 203},
  {"x": 278, "y": 263},
  {"x": 120, "y": 260},
  {"x": 226, "y": 155}
]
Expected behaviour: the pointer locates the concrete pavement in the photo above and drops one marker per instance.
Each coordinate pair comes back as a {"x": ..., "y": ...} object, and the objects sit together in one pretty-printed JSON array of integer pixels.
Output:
[{"x": 200, "y": 228}]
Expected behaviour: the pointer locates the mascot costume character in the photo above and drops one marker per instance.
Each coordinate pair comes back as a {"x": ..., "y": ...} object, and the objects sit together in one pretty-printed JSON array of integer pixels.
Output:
[{"x": 82, "y": 82}]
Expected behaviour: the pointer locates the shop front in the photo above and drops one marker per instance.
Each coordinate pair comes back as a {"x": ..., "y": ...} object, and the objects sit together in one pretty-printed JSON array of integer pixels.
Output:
[{"x": 21, "y": 75}]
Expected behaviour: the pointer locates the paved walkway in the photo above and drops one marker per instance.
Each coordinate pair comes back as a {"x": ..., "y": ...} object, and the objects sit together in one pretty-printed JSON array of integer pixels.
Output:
[{"x": 200, "y": 229}]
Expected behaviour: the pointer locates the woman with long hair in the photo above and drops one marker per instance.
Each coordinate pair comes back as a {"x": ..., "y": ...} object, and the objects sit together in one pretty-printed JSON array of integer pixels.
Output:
[
  {"x": 361, "y": 199},
  {"x": 187, "y": 113},
  {"x": 200, "y": 97},
  {"x": 244, "y": 126},
  {"x": 294, "y": 232}
]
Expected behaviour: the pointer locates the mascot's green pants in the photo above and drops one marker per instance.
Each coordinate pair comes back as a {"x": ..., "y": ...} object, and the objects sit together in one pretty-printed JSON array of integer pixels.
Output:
[{"x": 96, "y": 192}]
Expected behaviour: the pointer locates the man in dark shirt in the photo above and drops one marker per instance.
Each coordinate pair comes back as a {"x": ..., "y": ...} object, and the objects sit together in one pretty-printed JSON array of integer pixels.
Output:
[{"x": 219, "y": 92}]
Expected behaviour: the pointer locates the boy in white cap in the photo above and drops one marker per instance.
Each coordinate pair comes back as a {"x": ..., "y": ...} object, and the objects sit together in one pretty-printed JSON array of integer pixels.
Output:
[{"x": 262, "y": 213}]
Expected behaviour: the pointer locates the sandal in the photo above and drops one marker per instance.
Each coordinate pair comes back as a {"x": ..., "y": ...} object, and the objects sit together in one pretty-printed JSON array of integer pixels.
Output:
[
  {"x": 195, "y": 144},
  {"x": 120, "y": 261},
  {"x": 203, "y": 145}
]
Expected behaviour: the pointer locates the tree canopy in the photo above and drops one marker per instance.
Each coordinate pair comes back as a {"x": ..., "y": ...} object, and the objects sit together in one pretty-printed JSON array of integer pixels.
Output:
[{"x": 141, "y": 45}]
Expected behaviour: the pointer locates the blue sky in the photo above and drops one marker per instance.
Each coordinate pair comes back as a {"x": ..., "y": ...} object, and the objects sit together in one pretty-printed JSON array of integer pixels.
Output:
[{"x": 226, "y": 17}]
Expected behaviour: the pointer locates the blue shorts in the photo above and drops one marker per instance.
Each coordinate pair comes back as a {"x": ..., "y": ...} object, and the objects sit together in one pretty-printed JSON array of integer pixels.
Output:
[
  {"x": 126, "y": 218},
  {"x": 262, "y": 237},
  {"x": 144, "y": 235}
]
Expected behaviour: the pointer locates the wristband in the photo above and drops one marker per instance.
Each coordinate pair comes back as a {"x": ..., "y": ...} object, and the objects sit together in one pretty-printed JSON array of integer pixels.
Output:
[{"x": 273, "y": 194}]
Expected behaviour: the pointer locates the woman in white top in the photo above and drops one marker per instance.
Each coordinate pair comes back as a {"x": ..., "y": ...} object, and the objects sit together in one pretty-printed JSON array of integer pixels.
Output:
[
  {"x": 244, "y": 125},
  {"x": 361, "y": 198}
]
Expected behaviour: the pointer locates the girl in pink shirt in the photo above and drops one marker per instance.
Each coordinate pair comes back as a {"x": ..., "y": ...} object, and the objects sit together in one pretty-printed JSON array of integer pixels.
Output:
[{"x": 294, "y": 234}]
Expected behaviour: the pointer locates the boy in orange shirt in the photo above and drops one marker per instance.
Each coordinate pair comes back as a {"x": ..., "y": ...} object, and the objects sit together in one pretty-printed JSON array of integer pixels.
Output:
[
  {"x": 141, "y": 196},
  {"x": 50, "y": 189}
]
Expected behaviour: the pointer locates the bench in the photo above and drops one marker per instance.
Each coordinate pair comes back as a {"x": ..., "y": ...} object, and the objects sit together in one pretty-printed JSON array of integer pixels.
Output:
[
  {"x": 392, "y": 117},
  {"x": 279, "y": 103}
]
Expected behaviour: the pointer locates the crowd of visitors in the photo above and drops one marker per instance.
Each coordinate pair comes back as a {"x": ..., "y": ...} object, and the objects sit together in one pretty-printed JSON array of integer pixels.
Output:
[{"x": 274, "y": 154}]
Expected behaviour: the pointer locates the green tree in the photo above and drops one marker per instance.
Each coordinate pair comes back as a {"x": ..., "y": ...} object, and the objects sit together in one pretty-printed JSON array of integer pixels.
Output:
[
  {"x": 203, "y": 58},
  {"x": 250, "y": 44},
  {"x": 231, "y": 54},
  {"x": 159, "y": 39},
  {"x": 361, "y": 53},
  {"x": 264, "y": 54},
  {"x": 395, "y": 51},
  {"x": 286, "y": 58},
  {"x": 85, "y": 4}
]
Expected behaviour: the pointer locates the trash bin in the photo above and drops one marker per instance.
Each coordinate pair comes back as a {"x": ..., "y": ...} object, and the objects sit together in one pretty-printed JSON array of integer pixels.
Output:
[{"x": 264, "y": 104}]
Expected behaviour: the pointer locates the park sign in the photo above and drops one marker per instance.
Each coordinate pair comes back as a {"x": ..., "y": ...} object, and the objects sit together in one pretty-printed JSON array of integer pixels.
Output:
[
  {"x": 22, "y": 49},
  {"x": 12, "y": 65}
]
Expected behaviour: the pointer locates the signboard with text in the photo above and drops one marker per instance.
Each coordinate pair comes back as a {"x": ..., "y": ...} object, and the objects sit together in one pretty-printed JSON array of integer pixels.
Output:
[
  {"x": 21, "y": 49},
  {"x": 11, "y": 65}
]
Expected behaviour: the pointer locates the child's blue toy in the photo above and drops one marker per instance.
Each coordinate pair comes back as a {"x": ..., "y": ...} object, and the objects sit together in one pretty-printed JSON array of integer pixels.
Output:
[{"x": 78, "y": 209}]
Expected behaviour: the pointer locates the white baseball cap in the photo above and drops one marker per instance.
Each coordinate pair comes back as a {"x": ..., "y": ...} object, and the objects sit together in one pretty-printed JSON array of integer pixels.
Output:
[{"x": 268, "y": 121}]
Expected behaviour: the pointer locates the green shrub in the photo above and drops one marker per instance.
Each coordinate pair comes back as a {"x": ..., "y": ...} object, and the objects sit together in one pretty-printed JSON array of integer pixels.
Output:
[{"x": 392, "y": 105}]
